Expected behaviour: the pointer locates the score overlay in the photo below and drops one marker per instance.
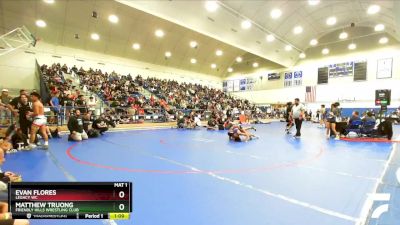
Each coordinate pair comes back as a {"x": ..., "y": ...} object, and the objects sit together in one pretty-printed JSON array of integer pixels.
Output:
[{"x": 70, "y": 200}]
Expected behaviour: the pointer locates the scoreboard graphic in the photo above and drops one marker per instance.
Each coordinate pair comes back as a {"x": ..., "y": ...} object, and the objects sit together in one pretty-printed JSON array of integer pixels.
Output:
[{"x": 70, "y": 200}]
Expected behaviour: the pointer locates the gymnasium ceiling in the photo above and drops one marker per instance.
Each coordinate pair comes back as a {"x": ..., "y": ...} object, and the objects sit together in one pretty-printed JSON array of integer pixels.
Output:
[{"x": 185, "y": 21}]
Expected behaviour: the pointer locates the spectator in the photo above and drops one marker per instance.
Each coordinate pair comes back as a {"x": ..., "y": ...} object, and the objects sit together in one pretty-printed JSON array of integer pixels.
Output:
[
  {"x": 81, "y": 103},
  {"x": 75, "y": 127},
  {"x": 100, "y": 124},
  {"x": 55, "y": 107},
  {"x": 369, "y": 117},
  {"x": 92, "y": 104},
  {"x": 355, "y": 116},
  {"x": 5, "y": 216},
  {"x": 5, "y": 113}
]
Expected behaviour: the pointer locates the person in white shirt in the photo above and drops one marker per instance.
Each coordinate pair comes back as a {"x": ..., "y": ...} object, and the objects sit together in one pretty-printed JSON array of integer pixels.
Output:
[
  {"x": 298, "y": 116},
  {"x": 92, "y": 104},
  {"x": 197, "y": 120}
]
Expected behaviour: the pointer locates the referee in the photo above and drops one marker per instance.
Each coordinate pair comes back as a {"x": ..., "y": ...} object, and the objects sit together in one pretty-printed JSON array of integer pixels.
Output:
[{"x": 298, "y": 116}]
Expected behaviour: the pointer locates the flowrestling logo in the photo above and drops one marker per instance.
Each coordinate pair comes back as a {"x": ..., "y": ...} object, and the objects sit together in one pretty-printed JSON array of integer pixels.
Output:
[{"x": 383, "y": 197}]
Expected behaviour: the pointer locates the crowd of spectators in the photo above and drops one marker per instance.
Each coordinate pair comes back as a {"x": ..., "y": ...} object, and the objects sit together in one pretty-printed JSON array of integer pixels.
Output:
[{"x": 124, "y": 93}]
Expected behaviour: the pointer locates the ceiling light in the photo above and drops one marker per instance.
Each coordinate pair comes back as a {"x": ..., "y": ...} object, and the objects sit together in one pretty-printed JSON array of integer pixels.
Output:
[
  {"x": 246, "y": 24},
  {"x": 239, "y": 59},
  {"x": 276, "y": 13},
  {"x": 352, "y": 46},
  {"x": 331, "y": 21},
  {"x": 255, "y": 64},
  {"x": 159, "y": 33},
  {"x": 218, "y": 52},
  {"x": 193, "y": 61},
  {"x": 230, "y": 70},
  {"x": 40, "y": 23},
  {"x": 383, "y": 40},
  {"x": 213, "y": 65},
  {"x": 288, "y": 47},
  {"x": 302, "y": 55},
  {"x": 168, "y": 54},
  {"x": 343, "y": 35},
  {"x": 193, "y": 44},
  {"x": 297, "y": 30},
  {"x": 113, "y": 18},
  {"x": 325, "y": 51},
  {"x": 95, "y": 36},
  {"x": 313, "y": 2},
  {"x": 270, "y": 38},
  {"x": 49, "y": 1},
  {"x": 373, "y": 9},
  {"x": 211, "y": 6},
  {"x": 313, "y": 42},
  {"x": 379, "y": 27},
  {"x": 136, "y": 46}
]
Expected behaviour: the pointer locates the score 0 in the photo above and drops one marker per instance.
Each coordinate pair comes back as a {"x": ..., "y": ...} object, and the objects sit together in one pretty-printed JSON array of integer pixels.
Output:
[{"x": 122, "y": 191}]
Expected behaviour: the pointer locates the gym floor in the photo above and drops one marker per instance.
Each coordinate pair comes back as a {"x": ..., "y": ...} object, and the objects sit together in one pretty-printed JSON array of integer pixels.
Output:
[{"x": 184, "y": 177}]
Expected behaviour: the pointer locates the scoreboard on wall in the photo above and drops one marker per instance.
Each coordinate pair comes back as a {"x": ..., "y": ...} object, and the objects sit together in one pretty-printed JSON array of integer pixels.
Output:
[{"x": 70, "y": 200}]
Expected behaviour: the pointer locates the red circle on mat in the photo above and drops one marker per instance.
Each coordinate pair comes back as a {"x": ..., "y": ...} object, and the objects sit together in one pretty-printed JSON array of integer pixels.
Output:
[{"x": 194, "y": 170}]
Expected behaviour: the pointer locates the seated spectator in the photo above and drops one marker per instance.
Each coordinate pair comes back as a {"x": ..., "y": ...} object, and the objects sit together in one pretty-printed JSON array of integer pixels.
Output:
[
  {"x": 189, "y": 123},
  {"x": 197, "y": 120},
  {"x": 180, "y": 122},
  {"x": 75, "y": 127},
  {"x": 5, "y": 216},
  {"x": 17, "y": 137},
  {"x": 355, "y": 116},
  {"x": 242, "y": 118},
  {"x": 212, "y": 124},
  {"x": 86, "y": 121},
  {"x": 369, "y": 117},
  {"x": 100, "y": 124}
]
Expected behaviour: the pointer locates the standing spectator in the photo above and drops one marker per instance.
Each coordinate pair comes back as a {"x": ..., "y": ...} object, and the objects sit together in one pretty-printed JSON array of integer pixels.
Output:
[
  {"x": 14, "y": 102},
  {"x": 322, "y": 116},
  {"x": 298, "y": 116},
  {"x": 23, "y": 108},
  {"x": 55, "y": 107},
  {"x": 92, "y": 104},
  {"x": 75, "y": 127},
  {"x": 5, "y": 112}
]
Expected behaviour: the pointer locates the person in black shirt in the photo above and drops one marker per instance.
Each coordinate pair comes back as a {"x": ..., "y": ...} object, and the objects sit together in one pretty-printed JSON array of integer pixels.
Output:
[
  {"x": 212, "y": 124},
  {"x": 86, "y": 121},
  {"x": 75, "y": 127},
  {"x": 81, "y": 103},
  {"x": 22, "y": 108},
  {"x": 288, "y": 117},
  {"x": 100, "y": 124},
  {"x": 14, "y": 102}
]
